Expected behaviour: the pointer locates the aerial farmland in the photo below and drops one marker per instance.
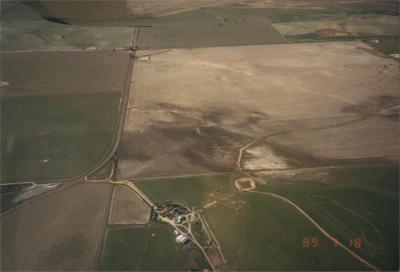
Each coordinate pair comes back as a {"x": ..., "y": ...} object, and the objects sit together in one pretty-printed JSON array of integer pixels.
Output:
[{"x": 240, "y": 135}]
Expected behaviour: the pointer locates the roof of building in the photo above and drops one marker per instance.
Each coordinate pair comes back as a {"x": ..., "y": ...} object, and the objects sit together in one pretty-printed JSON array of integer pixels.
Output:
[{"x": 181, "y": 238}]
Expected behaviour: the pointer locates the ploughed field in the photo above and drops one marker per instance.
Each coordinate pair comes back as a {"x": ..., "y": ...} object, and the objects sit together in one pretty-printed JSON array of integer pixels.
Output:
[
  {"x": 209, "y": 28},
  {"x": 60, "y": 112},
  {"x": 127, "y": 208},
  {"x": 60, "y": 95},
  {"x": 88, "y": 226},
  {"x": 62, "y": 230},
  {"x": 24, "y": 29}
]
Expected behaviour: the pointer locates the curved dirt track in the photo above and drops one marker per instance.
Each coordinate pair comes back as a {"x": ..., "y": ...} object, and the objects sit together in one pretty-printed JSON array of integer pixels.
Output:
[{"x": 325, "y": 233}]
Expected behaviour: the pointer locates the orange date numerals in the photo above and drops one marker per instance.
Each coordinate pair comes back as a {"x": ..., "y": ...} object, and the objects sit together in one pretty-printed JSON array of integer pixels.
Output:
[
  {"x": 313, "y": 242},
  {"x": 310, "y": 242}
]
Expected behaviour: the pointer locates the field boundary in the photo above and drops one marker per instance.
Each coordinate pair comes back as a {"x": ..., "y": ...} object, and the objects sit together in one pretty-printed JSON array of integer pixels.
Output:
[{"x": 118, "y": 129}]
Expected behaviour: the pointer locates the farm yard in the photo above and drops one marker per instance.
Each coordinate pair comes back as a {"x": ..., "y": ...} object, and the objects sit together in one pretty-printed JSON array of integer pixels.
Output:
[{"x": 252, "y": 227}]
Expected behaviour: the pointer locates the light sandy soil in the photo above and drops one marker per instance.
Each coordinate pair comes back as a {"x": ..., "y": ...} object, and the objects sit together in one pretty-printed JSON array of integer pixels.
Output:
[
  {"x": 263, "y": 157},
  {"x": 192, "y": 110},
  {"x": 62, "y": 230},
  {"x": 127, "y": 207},
  {"x": 295, "y": 176},
  {"x": 33, "y": 191}
]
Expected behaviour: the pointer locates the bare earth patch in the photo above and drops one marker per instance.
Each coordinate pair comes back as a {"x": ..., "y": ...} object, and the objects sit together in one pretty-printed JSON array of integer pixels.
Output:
[
  {"x": 262, "y": 157},
  {"x": 62, "y": 230},
  {"x": 295, "y": 176}
]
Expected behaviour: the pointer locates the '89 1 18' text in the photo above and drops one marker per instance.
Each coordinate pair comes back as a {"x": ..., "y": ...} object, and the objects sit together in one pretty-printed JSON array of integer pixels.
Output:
[{"x": 314, "y": 242}]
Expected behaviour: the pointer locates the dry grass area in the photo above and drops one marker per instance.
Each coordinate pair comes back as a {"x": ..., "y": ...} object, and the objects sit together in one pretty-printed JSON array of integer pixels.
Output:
[
  {"x": 127, "y": 207},
  {"x": 375, "y": 138},
  {"x": 62, "y": 230},
  {"x": 192, "y": 110}
]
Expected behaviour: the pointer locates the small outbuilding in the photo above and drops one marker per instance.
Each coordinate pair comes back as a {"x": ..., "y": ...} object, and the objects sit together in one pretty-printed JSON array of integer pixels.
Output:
[{"x": 181, "y": 239}]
